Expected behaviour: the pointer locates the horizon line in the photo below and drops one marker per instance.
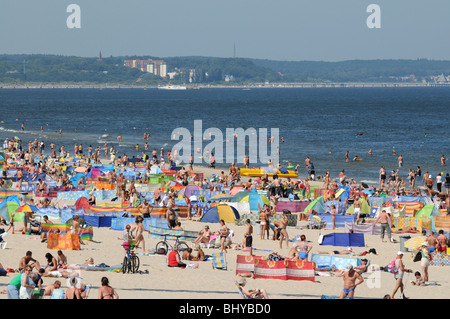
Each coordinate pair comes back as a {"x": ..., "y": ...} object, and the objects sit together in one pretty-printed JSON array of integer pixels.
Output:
[{"x": 218, "y": 57}]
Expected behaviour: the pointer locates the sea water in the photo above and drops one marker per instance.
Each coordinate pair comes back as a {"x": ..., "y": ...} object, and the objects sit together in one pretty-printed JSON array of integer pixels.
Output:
[{"x": 319, "y": 123}]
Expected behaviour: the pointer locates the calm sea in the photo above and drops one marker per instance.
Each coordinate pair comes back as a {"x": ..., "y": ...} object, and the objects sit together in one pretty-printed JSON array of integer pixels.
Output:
[{"x": 321, "y": 123}]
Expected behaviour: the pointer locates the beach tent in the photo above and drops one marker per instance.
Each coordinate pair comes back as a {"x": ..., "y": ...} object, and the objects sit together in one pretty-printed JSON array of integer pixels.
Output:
[
  {"x": 9, "y": 206},
  {"x": 344, "y": 193},
  {"x": 255, "y": 199},
  {"x": 365, "y": 208},
  {"x": 428, "y": 210},
  {"x": 222, "y": 211},
  {"x": 344, "y": 239},
  {"x": 317, "y": 204}
]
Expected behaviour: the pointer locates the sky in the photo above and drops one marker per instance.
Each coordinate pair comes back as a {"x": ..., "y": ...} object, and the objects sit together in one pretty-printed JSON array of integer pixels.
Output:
[{"x": 290, "y": 30}]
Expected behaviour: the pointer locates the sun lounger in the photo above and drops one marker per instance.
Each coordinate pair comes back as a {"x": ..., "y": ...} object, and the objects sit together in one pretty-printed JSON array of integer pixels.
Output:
[
  {"x": 219, "y": 261},
  {"x": 241, "y": 292}
]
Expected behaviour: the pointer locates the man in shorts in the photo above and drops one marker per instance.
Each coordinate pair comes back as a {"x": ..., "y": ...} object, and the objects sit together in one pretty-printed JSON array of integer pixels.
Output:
[
  {"x": 248, "y": 237},
  {"x": 357, "y": 207},
  {"x": 384, "y": 219}
]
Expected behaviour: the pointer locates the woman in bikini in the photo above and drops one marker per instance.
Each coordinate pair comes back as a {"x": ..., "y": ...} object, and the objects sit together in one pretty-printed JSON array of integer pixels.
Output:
[
  {"x": 303, "y": 248},
  {"x": 263, "y": 223},
  {"x": 106, "y": 291},
  {"x": 333, "y": 216},
  {"x": 223, "y": 231}
]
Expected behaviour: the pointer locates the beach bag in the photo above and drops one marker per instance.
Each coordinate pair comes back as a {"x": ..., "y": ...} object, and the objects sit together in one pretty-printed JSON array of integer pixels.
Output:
[
  {"x": 392, "y": 268},
  {"x": 418, "y": 257}
]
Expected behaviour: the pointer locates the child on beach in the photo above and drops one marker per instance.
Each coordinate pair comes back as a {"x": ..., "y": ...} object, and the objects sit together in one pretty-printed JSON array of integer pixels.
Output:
[
  {"x": 419, "y": 280},
  {"x": 128, "y": 239}
]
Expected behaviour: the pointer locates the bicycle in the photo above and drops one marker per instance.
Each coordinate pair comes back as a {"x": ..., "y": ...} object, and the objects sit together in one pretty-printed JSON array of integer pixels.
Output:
[
  {"x": 163, "y": 246},
  {"x": 131, "y": 262}
]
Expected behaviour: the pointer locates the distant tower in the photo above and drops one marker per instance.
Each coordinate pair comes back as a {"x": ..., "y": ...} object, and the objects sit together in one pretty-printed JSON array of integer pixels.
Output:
[
  {"x": 100, "y": 57},
  {"x": 234, "y": 50}
]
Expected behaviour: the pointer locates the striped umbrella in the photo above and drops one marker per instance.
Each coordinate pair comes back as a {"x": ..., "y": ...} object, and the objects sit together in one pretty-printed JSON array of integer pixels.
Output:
[
  {"x": 27, "y": 208},
  {"x": 415, "y": 242}
]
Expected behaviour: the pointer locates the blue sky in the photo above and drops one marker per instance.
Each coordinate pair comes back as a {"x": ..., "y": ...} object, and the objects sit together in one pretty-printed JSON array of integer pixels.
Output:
[{"x": 315, "y": 30}]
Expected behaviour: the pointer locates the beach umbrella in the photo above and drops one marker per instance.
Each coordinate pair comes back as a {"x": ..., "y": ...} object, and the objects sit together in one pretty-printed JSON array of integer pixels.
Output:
[
  {"x": 253, "y": 198},
  {"x": 27, "y": 208},
  {"x": 240, "y": 195},
  {"x": 415, "y": 242},
  {"x": 189, "y": 190},
  {"x": 17, "y": 138}
]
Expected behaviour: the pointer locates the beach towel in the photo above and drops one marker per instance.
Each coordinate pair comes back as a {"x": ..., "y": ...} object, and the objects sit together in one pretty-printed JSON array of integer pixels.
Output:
[{"x": 57, "y": 294}]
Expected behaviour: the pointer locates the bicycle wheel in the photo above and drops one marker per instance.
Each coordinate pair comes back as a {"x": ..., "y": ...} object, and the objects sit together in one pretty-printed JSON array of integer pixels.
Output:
[
  {"x": 182, "y": 246},
  {"x": 125, "y": 265},
  {"x": 135, "y": 263},
  {"x": 163, "y": 246}
]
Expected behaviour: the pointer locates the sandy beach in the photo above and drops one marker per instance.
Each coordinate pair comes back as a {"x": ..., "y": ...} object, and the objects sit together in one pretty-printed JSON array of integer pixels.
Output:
[{"x": 163, "y": 282}]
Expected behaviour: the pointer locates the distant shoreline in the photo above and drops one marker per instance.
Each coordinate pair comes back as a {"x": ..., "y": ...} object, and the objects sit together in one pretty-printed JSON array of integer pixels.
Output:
[{"x": 221, "y": 86}]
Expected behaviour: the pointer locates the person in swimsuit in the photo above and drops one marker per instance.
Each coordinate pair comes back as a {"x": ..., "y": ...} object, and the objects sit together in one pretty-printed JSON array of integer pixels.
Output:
[
  {"x": 106, "y": 291},
  {"x": 223, "y": 231},
  {"x": 204, "y": 236},
  {"x": 350, "y": 276},
  {"x": 74, "y": 291},
  {"x": 303, "y": 248},
  {"x": 442, "y": 242},
  {"x": 28, "y": 258},
  {"x": 333, "y": 216},
  {"x": 248, "y": 241},
  {"x": 283, "y": 232},
  {"x": 253, "y": 293},
  {"x": 171, "y": 218},
  {"x": 432, "y": 242},
  {"x": 262, "y": 222}
]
